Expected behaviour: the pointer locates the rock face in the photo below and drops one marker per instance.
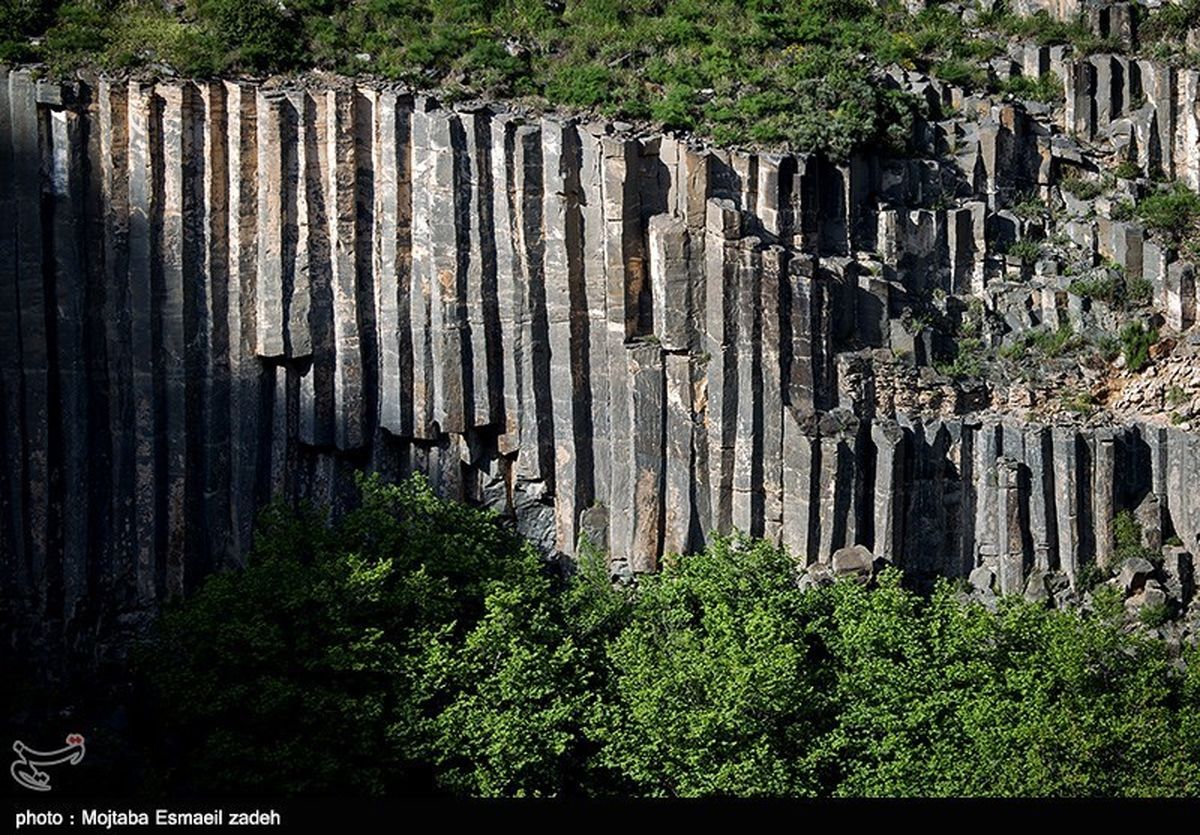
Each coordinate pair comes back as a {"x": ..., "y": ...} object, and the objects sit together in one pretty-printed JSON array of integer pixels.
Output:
[{"x": 212, "y": 294}]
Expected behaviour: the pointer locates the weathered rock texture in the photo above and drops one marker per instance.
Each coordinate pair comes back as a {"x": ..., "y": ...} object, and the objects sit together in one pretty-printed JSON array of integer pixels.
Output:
[{"x": 216, "y": 293}]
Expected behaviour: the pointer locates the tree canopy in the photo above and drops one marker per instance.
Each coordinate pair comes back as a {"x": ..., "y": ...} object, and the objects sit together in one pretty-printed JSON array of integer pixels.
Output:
[{"x": 416, "y": 646}]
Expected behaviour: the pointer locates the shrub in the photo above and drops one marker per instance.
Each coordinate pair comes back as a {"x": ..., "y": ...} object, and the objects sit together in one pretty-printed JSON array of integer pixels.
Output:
[
  {"x": 1128, "y": 170},
  {"x": 806, "y": 74},
  {"x": 1030, "y": 207},
  {"x": 1052, "y": 343},
  {"x": 1080, "y": 402},
  {"x": 580, "y": 86},
  {"x": 1080, "y": 187},
  {"x": 1127, "y": 538},
  {"x": 1173, "y": 213},
  {"x": 967, "y": 361},
  {"x": 1114, "y": 288},
  {"x": 1154, "y": 615},
  {"x": 1122, "y": 210},
  {"x": 1025, "y": 250},
  {"x": 1136, "y": 340},
  {"x": 1139, "y": 292},
  {"x": 1047, "y": 89},
  {"x": 1105, "y": 287}
]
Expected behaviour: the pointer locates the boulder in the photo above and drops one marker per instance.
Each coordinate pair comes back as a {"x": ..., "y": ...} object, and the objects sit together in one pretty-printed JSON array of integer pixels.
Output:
[
  {"x": 1134, "y": 573},
  {"x": 983, "y": 579},
  {"x": 815, "y": 576},
  {"x": 1037, "y": 588},
  {"x": 855, "y": 561},
  {"x": 1152, "y": 595}
]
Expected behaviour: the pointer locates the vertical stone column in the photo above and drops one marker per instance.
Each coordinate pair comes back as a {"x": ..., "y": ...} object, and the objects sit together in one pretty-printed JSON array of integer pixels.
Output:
[
  {"x": 888, "y": 499},
  {"x": 826, "y": 493},
  {"x": 423, "y": 287},
  {"x": 960, "y": 244},
  {"x": 482, "y": 361},
  {"x": 1159, "y": 85},
  {"x": 214, "y": 393},
  {"x": 34, "y": 350},
  {"x": 1066, "y": 480},
  {"x": 987, "y": 533},
  {"x": 448, "y": 208},
  {"x": 1186, "y": 138},
  {"x": 747, "y": 357},
  {"x": 807, "y": 310},
  {"x": 678, "y": 466},
  {"x": 1180, "y": 296},
  {"x": 745, "y": 179},
  {"x": 1008, "y": 519},
  {"x": 1107, "y": 74},
  {"x": 176, "y": 254},
  {"x": 504, "y": 241},
  {"x": 536, "y": 458},
  {"x": 393, "y": 265},
  {"x": 113, "y": 125},
  {"x": 774, "y": 193},
  {"x": 1081, "y": 98},
  {"x": 284, "y": 402},
  {"x": 596, "y": 339},
  {"x": 1179, "y": 485},
  {"x": 563, "y": 282},
  {"x": 1043, "y": 496},
  {"x": 722, "y": 232},
  {"x": 1155, "y": 439},
  {"x": 837, "y": 484},
  {"x": 305, "y": 129},
  {"x": 774, "y": 275},
  {"x": 67, "y": 187},
  {"x": 669, "y": 281},
  {"x": 625, "y": 271},
  {"x": 801, "y": 451},
  {"x": 246, "y": 372},
  {"x": 271, "y": 136},
  {"x": 1103, "y": 494},
  {"x": 143, "y": 202},
  {"x": 644, "y": 436},
  {"x": 13, "y": 565},
  {"x": 341, "y": 213}
]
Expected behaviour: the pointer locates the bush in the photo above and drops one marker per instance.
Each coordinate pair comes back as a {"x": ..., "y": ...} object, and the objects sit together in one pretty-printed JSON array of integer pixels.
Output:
[
  {"x": 1025, "y": 250},
  {"x": 1154, "y": 615},
  {"x": 1127, "y": 538},
  {"x": 1136, "y": 340},
  {"x": 1081, "y": 187},
  {"x": 1128, "y": 170},
  {"x": 1173, "y": 213},
  {"x": 967, "y": 361},
  {"x": 1047, "y": 89}
]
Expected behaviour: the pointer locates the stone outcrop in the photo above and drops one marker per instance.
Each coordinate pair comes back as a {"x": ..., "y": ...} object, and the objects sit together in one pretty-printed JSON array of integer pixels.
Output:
[{"x": 212, "y": 294}]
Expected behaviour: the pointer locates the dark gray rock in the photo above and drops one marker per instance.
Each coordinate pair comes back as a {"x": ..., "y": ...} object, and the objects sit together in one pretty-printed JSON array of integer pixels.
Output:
[{"x": 1133, "y": 574}]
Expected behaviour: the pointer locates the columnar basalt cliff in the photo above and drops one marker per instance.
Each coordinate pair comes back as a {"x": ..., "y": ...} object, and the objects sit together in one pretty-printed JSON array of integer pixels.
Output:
[{"x": 217, "y": 293}]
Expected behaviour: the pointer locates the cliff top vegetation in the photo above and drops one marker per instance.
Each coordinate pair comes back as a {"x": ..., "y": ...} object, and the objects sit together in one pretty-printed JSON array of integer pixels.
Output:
[{"x": 797, "y": 73}]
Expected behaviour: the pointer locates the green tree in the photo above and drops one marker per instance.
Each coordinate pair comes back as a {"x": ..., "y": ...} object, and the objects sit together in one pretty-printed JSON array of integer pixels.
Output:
[
  {"x": 717, "y": 689},
  {"x": 319, "y": 667}
]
